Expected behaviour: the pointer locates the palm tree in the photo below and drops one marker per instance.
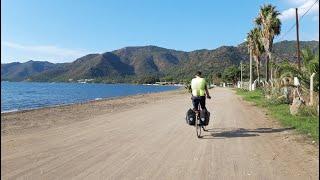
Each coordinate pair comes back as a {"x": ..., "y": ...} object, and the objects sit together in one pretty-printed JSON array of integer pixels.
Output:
[
  {"x": 250, "y": 47},
  {"x": 270, "y": 26},
  {"x": 257, "y": 47},
  {"x": 309, "y": 66}
]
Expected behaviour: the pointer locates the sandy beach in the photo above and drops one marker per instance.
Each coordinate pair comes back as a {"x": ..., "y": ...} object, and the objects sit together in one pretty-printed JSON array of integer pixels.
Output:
[
  {"x": 44, "y": 118},
  {"x": 146, "y": 137}
]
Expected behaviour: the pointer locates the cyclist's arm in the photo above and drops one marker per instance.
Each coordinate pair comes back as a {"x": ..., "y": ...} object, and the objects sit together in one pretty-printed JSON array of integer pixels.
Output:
[
  {"x": 207, "y": 92},
  {"x": 190, "y": 89}
]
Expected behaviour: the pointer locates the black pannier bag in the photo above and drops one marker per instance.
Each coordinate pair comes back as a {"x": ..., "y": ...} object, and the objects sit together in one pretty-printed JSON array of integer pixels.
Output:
[
  {"x": 191, "y": 117},
  {"x": 204, "y": 117}
]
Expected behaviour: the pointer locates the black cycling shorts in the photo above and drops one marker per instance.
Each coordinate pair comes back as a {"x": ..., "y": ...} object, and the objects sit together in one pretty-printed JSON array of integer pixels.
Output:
[{"x": 199, "y": 99}]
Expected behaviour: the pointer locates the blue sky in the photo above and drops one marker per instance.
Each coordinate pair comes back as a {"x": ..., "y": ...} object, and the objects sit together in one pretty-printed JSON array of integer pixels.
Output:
[{"x": 63, "y": 30}]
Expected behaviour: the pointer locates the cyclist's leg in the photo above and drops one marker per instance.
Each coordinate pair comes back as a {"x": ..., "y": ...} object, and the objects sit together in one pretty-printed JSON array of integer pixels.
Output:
[
  {"x": 195, "y": 102},
  {"x": 203, "y": 102}
]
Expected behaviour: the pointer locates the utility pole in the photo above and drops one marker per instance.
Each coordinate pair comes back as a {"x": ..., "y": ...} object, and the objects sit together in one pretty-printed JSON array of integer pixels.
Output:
[
  {"x": 250, "y": 80},
  {"x": 241, "y": 74},
  {"x": 298, "y": 43}
]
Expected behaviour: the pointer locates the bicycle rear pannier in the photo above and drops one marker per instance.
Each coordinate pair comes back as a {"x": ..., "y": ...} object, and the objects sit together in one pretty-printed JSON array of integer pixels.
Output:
[
  {"x": 204, "y": 117},
  {"x": 191, "y": 117}
]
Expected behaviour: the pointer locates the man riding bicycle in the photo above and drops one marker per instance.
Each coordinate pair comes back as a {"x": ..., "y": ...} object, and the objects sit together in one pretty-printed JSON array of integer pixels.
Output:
[{"x": 199, "y": 92}]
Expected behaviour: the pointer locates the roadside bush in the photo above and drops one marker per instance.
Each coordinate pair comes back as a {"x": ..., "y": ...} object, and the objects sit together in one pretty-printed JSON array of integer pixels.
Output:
[{"x": 307, "y": 111}]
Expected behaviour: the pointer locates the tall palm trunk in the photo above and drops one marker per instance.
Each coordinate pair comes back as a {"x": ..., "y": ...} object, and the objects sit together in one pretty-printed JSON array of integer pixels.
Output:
[
  {"x": 271, "y": 67},
  {"x": 250, "y": 79},
  {"x": 258, "y": 73},
  {"x": 265, "y": 43},
  {"x": 267, "y": 69},
  {"x": 268, "y": 65},
  {"x": 271, "y": 72},
  {"x": 257, "y": 60}
]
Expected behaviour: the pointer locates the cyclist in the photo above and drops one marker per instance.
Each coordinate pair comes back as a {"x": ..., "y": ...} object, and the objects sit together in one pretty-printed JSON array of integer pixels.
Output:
[{"x": 199, "y": 91}]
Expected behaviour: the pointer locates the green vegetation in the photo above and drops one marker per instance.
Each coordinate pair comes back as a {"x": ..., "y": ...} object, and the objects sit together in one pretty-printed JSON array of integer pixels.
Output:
[
  {"x": 275, "y": 94},
  {"x": 305, "y": 122},
  {"x": 147, "y": 79},
  {"x": 310, "y": 65},
  {"x": 231, "y": 74}
]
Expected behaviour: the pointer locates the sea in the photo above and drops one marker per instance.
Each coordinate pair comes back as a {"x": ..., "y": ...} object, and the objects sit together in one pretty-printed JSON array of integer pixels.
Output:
[{"x": 16, "y": 96}]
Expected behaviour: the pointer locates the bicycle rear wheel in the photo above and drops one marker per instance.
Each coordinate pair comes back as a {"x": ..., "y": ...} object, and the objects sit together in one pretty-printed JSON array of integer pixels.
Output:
[{"x": 198, "y": 127}]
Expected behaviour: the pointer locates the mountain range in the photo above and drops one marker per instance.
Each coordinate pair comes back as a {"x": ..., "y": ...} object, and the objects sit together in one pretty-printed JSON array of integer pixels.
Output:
[{"x": 140, "y": 63}]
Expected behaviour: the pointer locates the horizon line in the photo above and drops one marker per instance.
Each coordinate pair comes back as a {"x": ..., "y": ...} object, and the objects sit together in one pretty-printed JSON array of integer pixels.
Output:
[{"x": 141, "y": 46}]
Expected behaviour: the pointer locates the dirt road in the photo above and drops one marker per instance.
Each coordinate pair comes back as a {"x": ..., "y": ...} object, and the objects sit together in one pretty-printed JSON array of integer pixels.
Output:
[{"x": 152, "y": 141}]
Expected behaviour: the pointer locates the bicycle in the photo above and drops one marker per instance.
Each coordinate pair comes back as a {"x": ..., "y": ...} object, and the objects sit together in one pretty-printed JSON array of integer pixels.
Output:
[{"x": 198, "y": 123}]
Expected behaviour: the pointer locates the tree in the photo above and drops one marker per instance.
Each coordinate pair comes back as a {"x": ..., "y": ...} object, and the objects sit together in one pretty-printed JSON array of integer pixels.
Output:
[
  {"x": 147, "y": 79},
  {"x": 256, "y": 47},
  {"x": 231, "y": 73},
  {"x": 167, "y": 78},
  {"x": 270, "y": 26}
]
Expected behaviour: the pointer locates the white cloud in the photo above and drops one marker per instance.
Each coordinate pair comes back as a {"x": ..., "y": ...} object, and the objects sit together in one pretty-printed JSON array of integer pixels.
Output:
[
  {"x": 296, "y": 2},
  {"x": 42, "y": 52},
  {"x": 303, "y": 6}
]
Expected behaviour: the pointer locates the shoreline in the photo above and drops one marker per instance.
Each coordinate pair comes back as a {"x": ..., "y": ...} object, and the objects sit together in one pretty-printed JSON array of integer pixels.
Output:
[
  {"x": 17, "y": 122},
  {"x": 66, "y": 82},
  {"x": 89, "y": 100},
  {"x": 76, "y": 103}
]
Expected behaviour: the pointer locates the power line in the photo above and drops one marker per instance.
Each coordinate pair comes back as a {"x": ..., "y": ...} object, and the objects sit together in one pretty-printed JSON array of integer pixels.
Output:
[
  {"x": 309, "y": 9},
  {"x": 294, "y": 25},
  {"x": 300, "y": 20}
]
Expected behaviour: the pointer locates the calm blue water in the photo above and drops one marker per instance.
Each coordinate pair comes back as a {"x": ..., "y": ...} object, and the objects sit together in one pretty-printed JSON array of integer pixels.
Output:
[{"x": 29, "y": 95}]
